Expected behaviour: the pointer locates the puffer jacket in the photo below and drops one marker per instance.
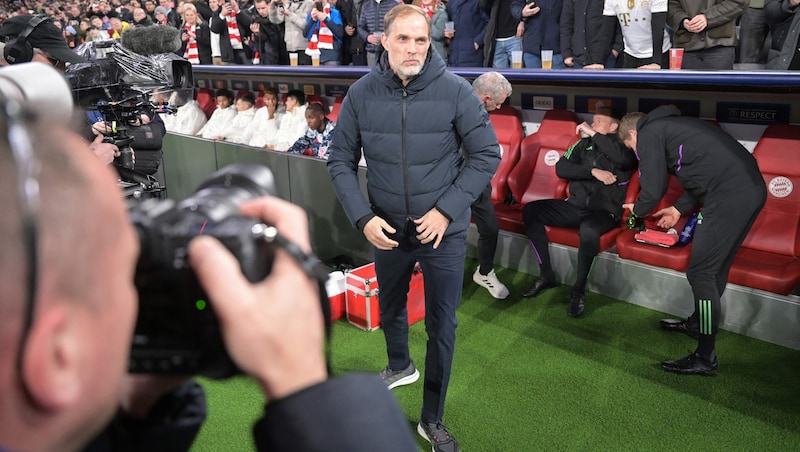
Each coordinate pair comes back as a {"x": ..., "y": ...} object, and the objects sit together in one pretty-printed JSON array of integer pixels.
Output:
[
  {"x": 371, "y": 19},
  {"x": 720, "y": 14},
  {"x": 412, "y": 139},
  {"x": 295, "y": 22}
]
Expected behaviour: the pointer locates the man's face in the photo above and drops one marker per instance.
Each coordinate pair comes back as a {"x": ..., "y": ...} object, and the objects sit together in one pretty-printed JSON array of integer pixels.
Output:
[
  {"x": 139, "y": 14},
  {"x": 262, "y": 8},
  {"x": 165, "y": 3},
  {"x": 604, "y": 124},
  {"x": 291, "y": 103},
  {"x": 315, "y": 120},
  {"x": 150, "y": 6},
  {"x": 97, "y": 22},
  {"x": 492, "y": 104},
  {"x": 213, "y": 4},
  {"x": 242, "y": 105},
  {"x": 630, "y": 140},
  {"x": 223, "y": 102},
  {"x": 407, "y": 45},
  {"x": 270, "y": 100}
]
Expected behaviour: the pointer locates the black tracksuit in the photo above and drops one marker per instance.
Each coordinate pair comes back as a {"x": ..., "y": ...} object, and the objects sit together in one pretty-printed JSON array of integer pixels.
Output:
[
  {"x": 593, "y": 207},
  {"x": 718, "y": 173}
]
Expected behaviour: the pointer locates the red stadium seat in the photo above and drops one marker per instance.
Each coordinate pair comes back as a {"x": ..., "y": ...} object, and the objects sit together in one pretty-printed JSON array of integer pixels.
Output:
[
  {"x": 508, "y": 127},
  {"x": 534, "y": 175},
  {"x": 677, "y": 257},
  {"x": 259, "y": 100},
  {"x": 208, "y": 103},
  {"x": 337, "y": 104},
  {"x": 769, "y": 257}
]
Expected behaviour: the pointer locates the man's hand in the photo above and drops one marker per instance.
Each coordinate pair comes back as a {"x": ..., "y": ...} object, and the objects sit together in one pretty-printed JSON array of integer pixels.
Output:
[
  {"x": 273, "y": 329},
  {"x": 606, "y": 177},
  {"x": 431, "y": 227},
  {"x": 104, "y": 151},
  {"x": 696, "y": 24},
  {"x": 530, "y": 10},
  {"x": 595, "y": 66},
  {"x": 255, "y": 27},
  {"x": 650, "y": 66},
  {"x": 569, "y": 61},
  {"x": 350, "y": 30},
  {"x": 373, "y": 231},
  {"x": 668, "y": 217},
  {"x": 585, "y": 129}
]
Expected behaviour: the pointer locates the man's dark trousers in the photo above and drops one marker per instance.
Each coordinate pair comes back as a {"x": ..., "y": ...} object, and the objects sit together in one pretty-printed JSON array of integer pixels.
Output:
[
  {"x": 443, "y": 272},
  {"x": 485, "y": 219}
]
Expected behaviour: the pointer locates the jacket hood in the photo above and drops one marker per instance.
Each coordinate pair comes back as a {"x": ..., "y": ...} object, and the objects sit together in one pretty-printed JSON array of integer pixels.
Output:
[
  {"x": 660, "y": 112},
  {"x": 434, "y": 67}
]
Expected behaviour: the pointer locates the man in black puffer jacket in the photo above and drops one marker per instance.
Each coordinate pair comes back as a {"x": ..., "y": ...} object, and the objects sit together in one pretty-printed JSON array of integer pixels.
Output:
[
  {"x": 412, "y": 117},
  {"x": 599, "y": 168}
]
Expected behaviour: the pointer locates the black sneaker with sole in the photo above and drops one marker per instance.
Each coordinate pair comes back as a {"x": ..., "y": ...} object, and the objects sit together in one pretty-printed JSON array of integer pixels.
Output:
[
  {"x": 395, "y": 378},
  {"x": 693, "y": 364},
  {"x": 437, "y": 434}
]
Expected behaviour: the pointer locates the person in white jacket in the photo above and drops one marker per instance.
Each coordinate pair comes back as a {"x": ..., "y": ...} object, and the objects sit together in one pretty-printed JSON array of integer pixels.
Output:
[
  {"x": 189, "y": 118},
  {"x": 222, "y": 116},
  {"x": 237, "y": 128},
  {"x": 293, "y": 123},
  {"x": 264, "y": 127}
]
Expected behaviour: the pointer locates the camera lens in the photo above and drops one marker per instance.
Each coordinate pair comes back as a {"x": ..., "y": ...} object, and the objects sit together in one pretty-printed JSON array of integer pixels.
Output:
[{"x": 220, "y": 196}]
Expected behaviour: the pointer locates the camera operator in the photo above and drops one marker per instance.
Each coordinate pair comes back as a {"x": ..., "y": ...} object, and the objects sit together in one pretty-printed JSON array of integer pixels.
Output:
[
  {"x": 268, "y": 36},
  {"x": 69, "y": 304},
  {"x": 49, "y": 47}
]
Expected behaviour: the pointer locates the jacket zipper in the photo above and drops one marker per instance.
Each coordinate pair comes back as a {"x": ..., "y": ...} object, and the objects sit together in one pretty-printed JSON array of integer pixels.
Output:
[{"x": 405, "y": 156}]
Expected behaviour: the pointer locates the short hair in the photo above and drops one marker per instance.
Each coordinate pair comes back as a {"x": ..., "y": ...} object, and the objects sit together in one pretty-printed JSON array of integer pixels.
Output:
[
  {"x": 225, "y": 92},
  {"x": 492, "y": 84},
  {"x": 248, "y": 97},
  {"x": 272, "y": 91},
  {"x": 297, "y": 95},
  {"x": 629, "y": 122},
  {"x": 612, "y": 113},
  {"x": 315, "y": 106},
  {"x": 403, "y": 10}
]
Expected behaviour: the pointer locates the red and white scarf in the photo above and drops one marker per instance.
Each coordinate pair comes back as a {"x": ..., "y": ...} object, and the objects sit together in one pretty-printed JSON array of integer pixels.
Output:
[
  {"x": 233, "y": 31},
  {"x": 191, "y": 52},
  {"x": 429, "y": 9},
  {"x": 322, "y": 37}
]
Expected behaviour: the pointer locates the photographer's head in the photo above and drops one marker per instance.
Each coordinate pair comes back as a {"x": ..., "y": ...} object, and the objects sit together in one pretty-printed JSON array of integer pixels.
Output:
[
  {"x": 62, "y": 367},
  {"x": 35, "y": 38}
]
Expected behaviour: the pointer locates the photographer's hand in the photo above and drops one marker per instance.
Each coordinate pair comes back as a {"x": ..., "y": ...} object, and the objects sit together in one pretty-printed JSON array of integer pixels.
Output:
[
  {"x": 104, "y": 151},
  {"x": 273, "y": 329}
]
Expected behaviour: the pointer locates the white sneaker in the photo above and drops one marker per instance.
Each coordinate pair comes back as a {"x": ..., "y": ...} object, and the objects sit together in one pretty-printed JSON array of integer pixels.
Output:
[{"x": 491, "y": 283}]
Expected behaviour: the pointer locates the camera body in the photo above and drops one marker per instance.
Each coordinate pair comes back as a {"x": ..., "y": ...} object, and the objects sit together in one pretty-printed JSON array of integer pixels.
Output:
[{"x": 176, "y": 329}]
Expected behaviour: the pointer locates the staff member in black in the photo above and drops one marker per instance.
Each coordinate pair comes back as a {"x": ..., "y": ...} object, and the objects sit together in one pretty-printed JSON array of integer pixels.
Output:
[
  {"x": 718, "y": 173},
  {"x": 599, "y": 168}
]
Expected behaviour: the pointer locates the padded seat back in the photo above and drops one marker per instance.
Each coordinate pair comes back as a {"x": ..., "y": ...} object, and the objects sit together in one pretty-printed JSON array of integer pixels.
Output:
[
  {"x": 777, "y": 226},
  {"x": 208, "y": 103},
  {"x": 508, "y": 127},
  {"x": 337, "y": 105},
  {"x": 534, "y": 176}
]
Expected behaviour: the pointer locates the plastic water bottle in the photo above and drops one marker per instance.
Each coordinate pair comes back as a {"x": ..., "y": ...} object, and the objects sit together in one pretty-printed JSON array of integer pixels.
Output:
[{"x": 688, "y": 230}]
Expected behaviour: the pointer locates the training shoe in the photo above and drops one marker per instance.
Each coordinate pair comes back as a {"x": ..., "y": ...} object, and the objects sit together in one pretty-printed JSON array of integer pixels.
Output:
[
  {"x": 687, "y": 327},
  {"x": 436, "y": 433},
  {"x": 693, "y": 364},
  {"x": 395, "y": 378},
  {"x": 491, "y": 283},
  {"x": 576, "y": 305}
]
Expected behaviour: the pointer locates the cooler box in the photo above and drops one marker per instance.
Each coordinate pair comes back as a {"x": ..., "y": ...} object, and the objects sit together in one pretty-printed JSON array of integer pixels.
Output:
[
  {"x": 336, "y": 294},
  {"x": 362, "y": 297}
]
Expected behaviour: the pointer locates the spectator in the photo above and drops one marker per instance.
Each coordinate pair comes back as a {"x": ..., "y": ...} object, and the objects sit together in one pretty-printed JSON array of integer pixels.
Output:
[
  {"x": 784, "y": 23},
  {"x": 222, "y": 116},
  {"x": 292, "y": 14},
  {"x": 172, "y": 15},
  {"x": 161, "y": 16},
  {"x": 292, "y": 124},
  {"x": 83, "y": 317},
  {"x": 718, "y": 173},
  {"x": 370, "y": 24},
  {"x": 503, "y": 34},
  {"x": 236, "y": 132},
  {"x": 268, "y": 37},
  {"x": 233, "y": 26},
  {"x": 598, "y": 169},
  {"x": 419, "y": 189},
  {"x": 150, "y": 9},
  {"x": 706, "y": 31},
  {"x": 644, "y": 34},
  {"x": 753, "y": 31},
  {"x": 438, "y": 14},
  {"x": 141, "y": 19},
  {"x": 117, "y": 26},
  {"x": 264, "y": 127},
  {"x": 352, "y": 45},
  {"x": 216, "y": 52},
  {"x": 317, "y": 139},
  {"x": 324, "y": 31},
  {"x": 195, "y": 37},
  {"x": 466, "y": 42},
  {"x": 578, "y": 22},
  {"x": 542, "y": 30}
]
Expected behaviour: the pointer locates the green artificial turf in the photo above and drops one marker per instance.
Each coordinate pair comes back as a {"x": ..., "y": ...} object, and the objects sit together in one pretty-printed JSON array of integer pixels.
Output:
[{"x": 527, "y": 377}]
